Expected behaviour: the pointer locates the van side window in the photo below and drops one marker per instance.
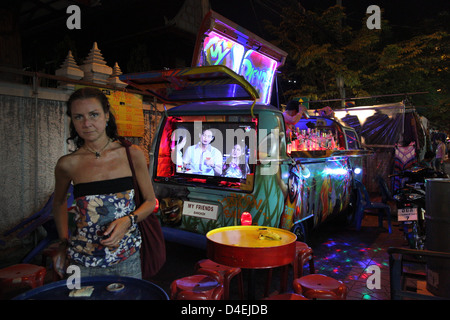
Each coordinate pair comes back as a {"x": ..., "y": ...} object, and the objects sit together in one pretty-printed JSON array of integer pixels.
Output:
[{"x": 352, "y": 140}]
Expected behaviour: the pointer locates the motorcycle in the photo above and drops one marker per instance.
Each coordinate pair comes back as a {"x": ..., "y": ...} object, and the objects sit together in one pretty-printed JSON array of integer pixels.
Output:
[{"x": 410, "y": 199}]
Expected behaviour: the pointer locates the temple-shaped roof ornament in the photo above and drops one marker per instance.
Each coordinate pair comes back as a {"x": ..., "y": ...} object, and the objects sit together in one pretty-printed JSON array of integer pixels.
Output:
[
  {"x": 69, "y": 69},
  {"x": 95, "y": 68},
  {"x": 113, "y": 80}
]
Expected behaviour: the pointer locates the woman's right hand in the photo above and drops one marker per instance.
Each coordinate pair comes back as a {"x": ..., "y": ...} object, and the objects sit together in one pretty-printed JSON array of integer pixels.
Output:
[{"x": 60, "y": 260}]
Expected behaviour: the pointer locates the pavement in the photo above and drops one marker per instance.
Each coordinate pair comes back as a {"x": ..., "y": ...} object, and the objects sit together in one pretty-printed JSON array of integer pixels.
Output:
[
  {"x": 340, "y": 252},
  {"x": 353, "y": 256}
]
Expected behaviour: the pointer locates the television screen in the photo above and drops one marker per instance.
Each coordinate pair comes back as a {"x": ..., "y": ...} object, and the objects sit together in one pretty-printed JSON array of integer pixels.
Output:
[{"x": 216, "y": 151}]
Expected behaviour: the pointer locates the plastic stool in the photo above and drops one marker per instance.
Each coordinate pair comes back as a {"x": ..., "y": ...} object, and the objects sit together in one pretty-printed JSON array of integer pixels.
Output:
[
  {"x": 196, "y": 287},
  {"x": 222, "y": 274},
  {"x": 319, "y": 286},
  {"x": 287, "y": 296},
  {"x": 50, "y": 252},
  {"x": 18, "y": 274},
  {"x": 303, "y": 254}
]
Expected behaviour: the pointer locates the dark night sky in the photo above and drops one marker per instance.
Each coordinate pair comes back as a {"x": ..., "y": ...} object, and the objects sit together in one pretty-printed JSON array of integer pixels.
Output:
[
  {"x": 403, "y": 15},
  {"x": 131, "y": 19}
]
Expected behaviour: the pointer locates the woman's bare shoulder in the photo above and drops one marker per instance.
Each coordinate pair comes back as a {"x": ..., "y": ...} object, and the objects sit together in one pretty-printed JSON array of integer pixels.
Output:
[
  {"x": 136, "y": 151},
  {"x": 68, "y": 161},
  {"x": 138, "y": 155}
]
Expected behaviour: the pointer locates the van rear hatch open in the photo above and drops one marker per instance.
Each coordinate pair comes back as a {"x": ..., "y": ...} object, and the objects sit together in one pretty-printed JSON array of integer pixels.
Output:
[{"x": 184, "y": 85}]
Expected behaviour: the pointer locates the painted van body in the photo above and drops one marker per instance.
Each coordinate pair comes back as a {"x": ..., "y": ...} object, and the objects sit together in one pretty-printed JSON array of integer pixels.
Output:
[
  {"x": 289, "y": 191},
  {"x": 281, "y": 183}
]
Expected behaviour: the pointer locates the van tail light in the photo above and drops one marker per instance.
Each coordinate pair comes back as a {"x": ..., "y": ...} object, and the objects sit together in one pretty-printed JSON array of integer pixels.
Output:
[{"x": 246, "y": 219}]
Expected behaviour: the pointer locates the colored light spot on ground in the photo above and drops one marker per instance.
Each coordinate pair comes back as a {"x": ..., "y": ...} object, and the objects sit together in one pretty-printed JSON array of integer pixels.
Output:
[{"x": 366, "y": 297}]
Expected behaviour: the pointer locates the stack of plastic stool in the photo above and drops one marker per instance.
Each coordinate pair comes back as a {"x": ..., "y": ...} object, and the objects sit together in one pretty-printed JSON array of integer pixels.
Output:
[
  {"x": 287, "y": 296},
  {"x": 50, "y": 252},
  {"x": 303, "y": 254},
  {"x": 19, "y": 274},
  {"x": 196, "y": 287},
  {"x": 319, "y": 286},
  {"x": 222, "y": 274}
]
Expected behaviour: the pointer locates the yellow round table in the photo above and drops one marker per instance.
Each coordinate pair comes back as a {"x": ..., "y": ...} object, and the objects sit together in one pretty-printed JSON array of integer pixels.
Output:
[{"x": 241, "y": 246}]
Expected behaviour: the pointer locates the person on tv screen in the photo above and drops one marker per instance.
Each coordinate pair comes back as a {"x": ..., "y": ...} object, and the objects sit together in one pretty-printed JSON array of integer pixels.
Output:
[
  {"x": 236, "y": 166},
  {"x": 202, "y": 158},
  {"x": 177, "y": 144}
]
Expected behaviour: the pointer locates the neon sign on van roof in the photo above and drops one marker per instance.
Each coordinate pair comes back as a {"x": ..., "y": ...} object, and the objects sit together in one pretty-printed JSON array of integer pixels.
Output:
[
  {"x": 221, "y": 42},
  {"x": 256, "y": 68}
]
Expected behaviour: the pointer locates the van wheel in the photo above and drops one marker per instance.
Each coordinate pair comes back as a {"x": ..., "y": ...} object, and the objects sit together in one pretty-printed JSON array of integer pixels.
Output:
[{"x": 300, "y": 230}]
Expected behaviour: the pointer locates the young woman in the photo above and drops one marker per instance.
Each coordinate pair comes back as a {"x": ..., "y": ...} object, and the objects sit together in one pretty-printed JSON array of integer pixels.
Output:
[
  {"x": 236, "y": 167},
  {"x": 106, "y": 239}
]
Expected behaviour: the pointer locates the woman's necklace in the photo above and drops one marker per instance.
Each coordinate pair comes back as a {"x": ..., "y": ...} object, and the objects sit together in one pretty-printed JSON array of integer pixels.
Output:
[{"x": 98, "y": 153}]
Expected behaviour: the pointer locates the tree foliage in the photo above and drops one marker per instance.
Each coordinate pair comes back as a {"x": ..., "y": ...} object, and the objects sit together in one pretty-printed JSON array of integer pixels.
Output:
[{"x": 322, "y": 47}]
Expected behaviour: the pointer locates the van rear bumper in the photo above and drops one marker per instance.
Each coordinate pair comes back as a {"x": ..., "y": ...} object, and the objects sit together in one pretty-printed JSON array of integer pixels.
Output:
[{"x": 183, "y": 237}]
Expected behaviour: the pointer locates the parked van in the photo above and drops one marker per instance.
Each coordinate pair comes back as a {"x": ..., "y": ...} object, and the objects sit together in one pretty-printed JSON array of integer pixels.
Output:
[{"x": 224, "y": 151}]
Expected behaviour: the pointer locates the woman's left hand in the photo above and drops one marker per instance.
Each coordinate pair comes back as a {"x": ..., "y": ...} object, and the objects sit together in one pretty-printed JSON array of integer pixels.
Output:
[{"x": 115, "y": 232}]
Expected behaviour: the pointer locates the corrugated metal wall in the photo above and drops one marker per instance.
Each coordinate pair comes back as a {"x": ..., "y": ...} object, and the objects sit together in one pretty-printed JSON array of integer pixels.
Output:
[{"x": 32, "y": 138}]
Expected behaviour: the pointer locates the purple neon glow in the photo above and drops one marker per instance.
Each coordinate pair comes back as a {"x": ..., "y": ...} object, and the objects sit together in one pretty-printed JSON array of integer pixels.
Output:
[
  {"x": 256, "y": 68},
  {"x": 219, "y": 50}
]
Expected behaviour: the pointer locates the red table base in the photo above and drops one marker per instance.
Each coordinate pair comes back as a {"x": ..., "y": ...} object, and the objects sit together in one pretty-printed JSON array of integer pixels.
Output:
[{"x": 240, "y": 247}]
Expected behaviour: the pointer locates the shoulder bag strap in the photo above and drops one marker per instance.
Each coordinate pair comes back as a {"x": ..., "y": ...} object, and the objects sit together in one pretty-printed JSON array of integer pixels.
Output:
[{"x": 136, "y": 186}]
